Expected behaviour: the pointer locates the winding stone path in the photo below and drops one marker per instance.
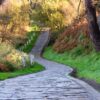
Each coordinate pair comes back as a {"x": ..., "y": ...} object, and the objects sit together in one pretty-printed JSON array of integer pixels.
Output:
[{"x": 52, "y": 84}]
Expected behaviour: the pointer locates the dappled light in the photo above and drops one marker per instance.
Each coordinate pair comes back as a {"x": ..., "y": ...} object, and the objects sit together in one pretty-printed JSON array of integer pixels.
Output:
[{"x": 61, "y": 37}]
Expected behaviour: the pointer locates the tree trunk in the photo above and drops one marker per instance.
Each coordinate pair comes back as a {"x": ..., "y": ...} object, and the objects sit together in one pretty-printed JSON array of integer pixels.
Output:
[{"x": 93, "y": 25}]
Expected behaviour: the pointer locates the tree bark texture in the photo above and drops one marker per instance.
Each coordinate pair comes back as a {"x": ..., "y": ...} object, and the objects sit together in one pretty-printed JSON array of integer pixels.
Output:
[{"x": 93, "y": 25}]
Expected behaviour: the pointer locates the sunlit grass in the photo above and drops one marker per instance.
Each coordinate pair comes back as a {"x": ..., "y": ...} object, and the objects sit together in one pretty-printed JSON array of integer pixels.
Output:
[
  {"x": 87, "y": 65},
  {"x": 28, "y": 70}
]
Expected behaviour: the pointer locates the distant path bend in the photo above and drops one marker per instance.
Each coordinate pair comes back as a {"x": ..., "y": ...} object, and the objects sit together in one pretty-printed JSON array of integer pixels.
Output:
[{"x": 52, "y": 84}]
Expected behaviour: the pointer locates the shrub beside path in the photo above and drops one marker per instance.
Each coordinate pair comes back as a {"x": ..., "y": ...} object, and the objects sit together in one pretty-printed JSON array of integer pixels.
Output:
[{"x": 54, "y": 83}]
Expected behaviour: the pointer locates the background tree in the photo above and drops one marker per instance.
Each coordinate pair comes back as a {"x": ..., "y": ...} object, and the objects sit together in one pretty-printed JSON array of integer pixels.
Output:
[
  {"x": 93, "y": 25},
  {"x": 14, "y": 21}
]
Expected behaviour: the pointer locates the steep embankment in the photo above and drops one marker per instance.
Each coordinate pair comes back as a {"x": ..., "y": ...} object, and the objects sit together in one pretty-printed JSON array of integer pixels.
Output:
[{"x": 75, "y": 35}]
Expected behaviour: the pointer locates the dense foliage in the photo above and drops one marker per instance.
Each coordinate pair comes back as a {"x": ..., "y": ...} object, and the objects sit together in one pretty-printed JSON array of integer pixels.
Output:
[
  {"x": 74, "y": 36},
  {"x": 15, "y": 28},
  {"x": 14, "y": 23},
  {"x": 55, "y": 13}
]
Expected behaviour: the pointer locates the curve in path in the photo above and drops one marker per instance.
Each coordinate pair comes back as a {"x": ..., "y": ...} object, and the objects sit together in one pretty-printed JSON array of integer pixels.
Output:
[{"x": 52, "y": 84}]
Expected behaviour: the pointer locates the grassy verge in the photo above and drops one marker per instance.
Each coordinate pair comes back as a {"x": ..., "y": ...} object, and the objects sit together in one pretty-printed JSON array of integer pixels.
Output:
[
  {"x": 32, "y": 69},
  {"x": 32, "y": 37},
  {"x": 87, "y": 65}
]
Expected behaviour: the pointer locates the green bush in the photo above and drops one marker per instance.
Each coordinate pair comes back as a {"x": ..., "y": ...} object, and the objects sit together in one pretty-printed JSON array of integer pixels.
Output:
[
  {"x": 55, "y": 13},
  {"x": 11, "y": 57},
  {"x": 10, "y": 66},
  {"x": 47, "y": 14}
]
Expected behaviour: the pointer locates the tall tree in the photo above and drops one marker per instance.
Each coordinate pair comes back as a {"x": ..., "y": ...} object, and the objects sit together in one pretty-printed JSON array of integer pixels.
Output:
[{"x": 93, "y": 25}]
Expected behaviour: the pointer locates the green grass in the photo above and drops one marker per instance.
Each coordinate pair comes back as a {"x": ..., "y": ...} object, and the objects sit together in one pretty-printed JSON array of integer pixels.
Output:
[
  {"x": 87, "y": 65},
  {"x": 29, "y": 70},
  {"x": 32, "y": 36}
]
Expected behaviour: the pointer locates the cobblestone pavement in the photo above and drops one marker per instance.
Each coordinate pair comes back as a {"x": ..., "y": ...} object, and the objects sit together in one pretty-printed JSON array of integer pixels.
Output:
[{"x": 52, "y": 84}]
